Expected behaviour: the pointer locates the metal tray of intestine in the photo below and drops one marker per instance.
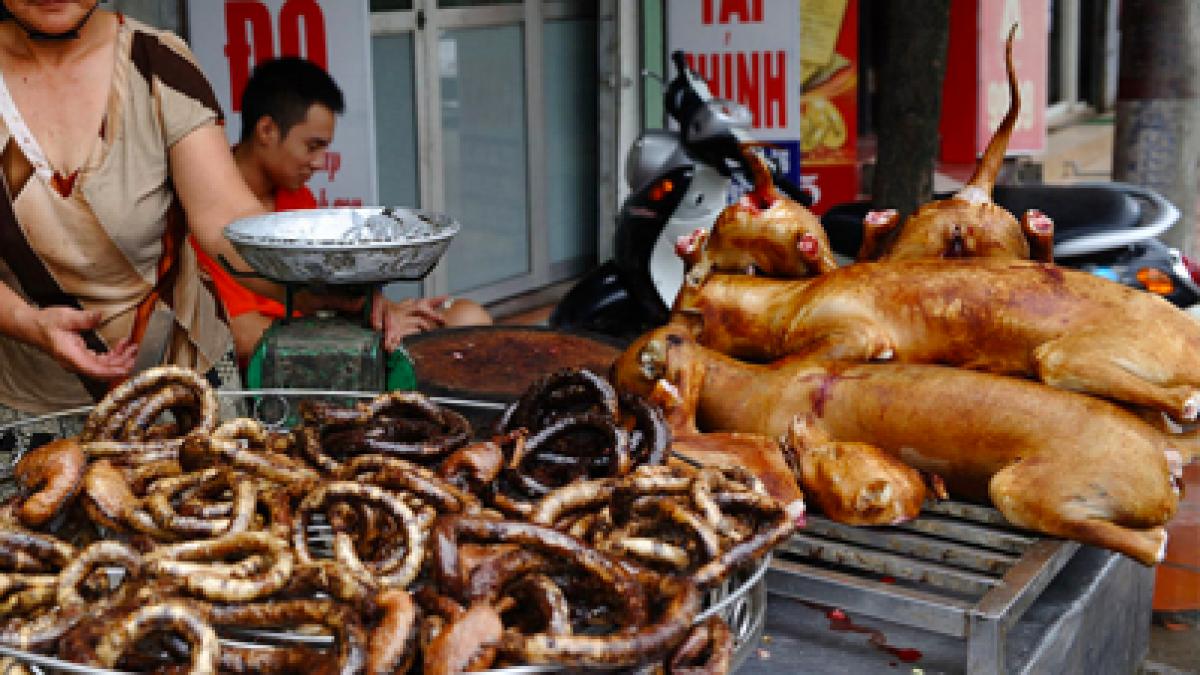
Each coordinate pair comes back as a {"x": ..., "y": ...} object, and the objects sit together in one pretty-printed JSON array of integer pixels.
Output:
[{"x": 741, "y": 599}]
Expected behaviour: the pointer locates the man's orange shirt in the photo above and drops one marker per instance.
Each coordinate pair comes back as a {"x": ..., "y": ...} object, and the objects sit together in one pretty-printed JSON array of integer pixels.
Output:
[{"x": 237, "y": 298}]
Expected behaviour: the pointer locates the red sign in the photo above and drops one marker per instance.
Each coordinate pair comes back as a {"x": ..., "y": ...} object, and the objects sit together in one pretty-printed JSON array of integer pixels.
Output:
[
  {"x": 746, "y": 51},
  {"x": 829, "y": 103},
  {"x": 250, "y": 32},
  {"x": 975, "y": 94},
  {"x": 230, "y": 38},
  {"x": 757, "y": 80},
  {"x": 725, "y": 11}
]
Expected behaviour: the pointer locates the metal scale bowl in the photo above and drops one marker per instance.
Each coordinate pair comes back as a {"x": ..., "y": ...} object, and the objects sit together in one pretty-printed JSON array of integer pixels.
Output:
[{"x": 342, "y": 251}]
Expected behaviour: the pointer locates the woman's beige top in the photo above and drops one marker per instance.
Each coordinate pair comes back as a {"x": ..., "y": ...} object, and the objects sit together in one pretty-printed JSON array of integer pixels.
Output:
[{"x": 110, "y": 237}]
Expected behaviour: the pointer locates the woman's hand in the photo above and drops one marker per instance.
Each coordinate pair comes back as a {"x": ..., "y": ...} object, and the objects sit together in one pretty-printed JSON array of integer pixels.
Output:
[
  {"x": 398, "y": 320},
  {"x": 58, "y": 332}
]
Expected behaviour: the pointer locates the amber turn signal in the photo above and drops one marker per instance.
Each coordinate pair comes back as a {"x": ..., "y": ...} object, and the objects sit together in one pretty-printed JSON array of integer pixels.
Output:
[
  {"x": 1155, "y": 280},
  {"x": 662, "y": 189}
]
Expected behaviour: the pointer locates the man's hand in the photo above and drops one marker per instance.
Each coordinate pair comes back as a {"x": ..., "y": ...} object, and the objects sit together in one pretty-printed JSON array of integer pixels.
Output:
[
  {"x": 57, "y": 331},
  {"x": 398, "y": 320}
]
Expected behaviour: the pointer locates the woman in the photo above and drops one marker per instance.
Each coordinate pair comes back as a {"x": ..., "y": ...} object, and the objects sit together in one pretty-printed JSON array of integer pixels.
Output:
[{"x": 111, "y": 151}]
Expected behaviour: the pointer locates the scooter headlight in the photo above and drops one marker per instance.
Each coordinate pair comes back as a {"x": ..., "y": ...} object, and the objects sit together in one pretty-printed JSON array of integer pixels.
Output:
[{"x": 661, "y": 189}]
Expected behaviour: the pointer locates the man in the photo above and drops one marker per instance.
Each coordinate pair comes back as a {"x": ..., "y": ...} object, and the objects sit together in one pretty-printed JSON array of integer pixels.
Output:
[{"x": 289, "y": 110}]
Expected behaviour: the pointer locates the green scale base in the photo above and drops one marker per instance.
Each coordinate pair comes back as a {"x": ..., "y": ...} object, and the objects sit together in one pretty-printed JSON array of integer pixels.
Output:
[{"x": 328, "y": 353}]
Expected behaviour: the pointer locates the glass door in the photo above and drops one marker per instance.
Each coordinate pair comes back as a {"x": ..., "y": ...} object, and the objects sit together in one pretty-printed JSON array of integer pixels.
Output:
[
  {"x": 483, "y": 115},
  {"x": 486, "y": 111},
  {"x": 394, "y": 65},
  {"x": 1063, "y": 84}
]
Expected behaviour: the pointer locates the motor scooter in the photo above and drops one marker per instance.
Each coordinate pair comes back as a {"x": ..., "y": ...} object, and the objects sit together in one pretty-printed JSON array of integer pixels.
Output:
[{"x": 679, "y": 180}]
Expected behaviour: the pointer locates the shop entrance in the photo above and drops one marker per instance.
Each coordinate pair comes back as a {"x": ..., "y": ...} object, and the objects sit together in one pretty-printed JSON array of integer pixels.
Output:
[{"x": 486, "y": 110}]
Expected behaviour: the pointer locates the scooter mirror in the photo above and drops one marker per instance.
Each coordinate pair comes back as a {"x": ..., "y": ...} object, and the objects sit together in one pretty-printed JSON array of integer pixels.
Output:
[
  {"x": 716, "y": 119},
  {"x": 648, "y": 74}
]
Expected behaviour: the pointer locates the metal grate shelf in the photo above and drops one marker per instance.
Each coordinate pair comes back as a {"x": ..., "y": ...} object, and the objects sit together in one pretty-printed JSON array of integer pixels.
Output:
[{"x": 959, "y": 570}]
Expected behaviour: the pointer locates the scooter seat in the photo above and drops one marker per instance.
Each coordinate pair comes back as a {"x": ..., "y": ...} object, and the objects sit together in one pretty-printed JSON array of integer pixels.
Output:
[{"x": 1075, "y": 209}]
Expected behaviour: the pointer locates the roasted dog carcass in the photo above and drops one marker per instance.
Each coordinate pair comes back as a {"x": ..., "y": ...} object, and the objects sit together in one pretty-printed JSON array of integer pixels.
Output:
[
  {"x": 761, "y": 455},
  {"x": 854, "y": 483},
  {"x": 764, "y": 233},
  {"x": 969, "y": 224},
  {"x": 1058, "y": 462},
  {"x": 1071, "y": 329}
]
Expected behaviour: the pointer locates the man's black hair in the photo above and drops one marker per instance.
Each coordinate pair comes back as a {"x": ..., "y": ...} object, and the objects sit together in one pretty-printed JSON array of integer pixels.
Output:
[{"x": 284, "y": 89}]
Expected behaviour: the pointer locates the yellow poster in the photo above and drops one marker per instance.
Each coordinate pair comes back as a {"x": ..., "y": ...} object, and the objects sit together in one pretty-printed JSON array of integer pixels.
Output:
[
  {"x": 829, "y": 101},
  {"x": 820, "y": 25},
  {"x": 828, "y": 78}
]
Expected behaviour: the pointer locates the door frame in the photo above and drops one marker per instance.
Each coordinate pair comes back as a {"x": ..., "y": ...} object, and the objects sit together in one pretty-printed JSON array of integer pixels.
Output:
[
  {"x": 1068, "y": 16},
  {"x": 424, "y": 22}
]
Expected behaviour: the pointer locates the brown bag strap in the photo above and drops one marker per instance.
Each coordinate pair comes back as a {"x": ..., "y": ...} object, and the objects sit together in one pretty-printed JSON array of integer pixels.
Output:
[{"x": 174, "y": 238}]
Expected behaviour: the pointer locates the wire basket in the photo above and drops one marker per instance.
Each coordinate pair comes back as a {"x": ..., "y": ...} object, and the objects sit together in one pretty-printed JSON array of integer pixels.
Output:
[
  {"x": 741, "y": 599},
  {"x": 275, "y": 408}
]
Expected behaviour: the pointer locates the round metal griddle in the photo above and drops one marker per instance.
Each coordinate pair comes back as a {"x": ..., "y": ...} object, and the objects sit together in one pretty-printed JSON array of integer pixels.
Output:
[{"x": 498, "y": 363}]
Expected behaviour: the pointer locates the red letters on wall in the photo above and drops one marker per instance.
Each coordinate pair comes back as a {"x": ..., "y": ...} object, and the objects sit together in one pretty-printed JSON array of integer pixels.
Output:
[
  {"x": 246, "y": 24},
  {"x": 745, "y": 11},
  {"x": 290, "y": 17},
  {"x": 251, "y": 40},
  {"x": 757, "y": 80}
]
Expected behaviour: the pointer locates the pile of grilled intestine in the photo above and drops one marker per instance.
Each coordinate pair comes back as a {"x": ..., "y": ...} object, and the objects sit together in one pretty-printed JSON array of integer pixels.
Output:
[{"x": 565, "y": 538}]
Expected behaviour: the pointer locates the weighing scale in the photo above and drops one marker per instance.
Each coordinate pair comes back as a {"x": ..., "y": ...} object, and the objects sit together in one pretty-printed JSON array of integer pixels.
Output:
[{"x": 341, "y": 251}]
